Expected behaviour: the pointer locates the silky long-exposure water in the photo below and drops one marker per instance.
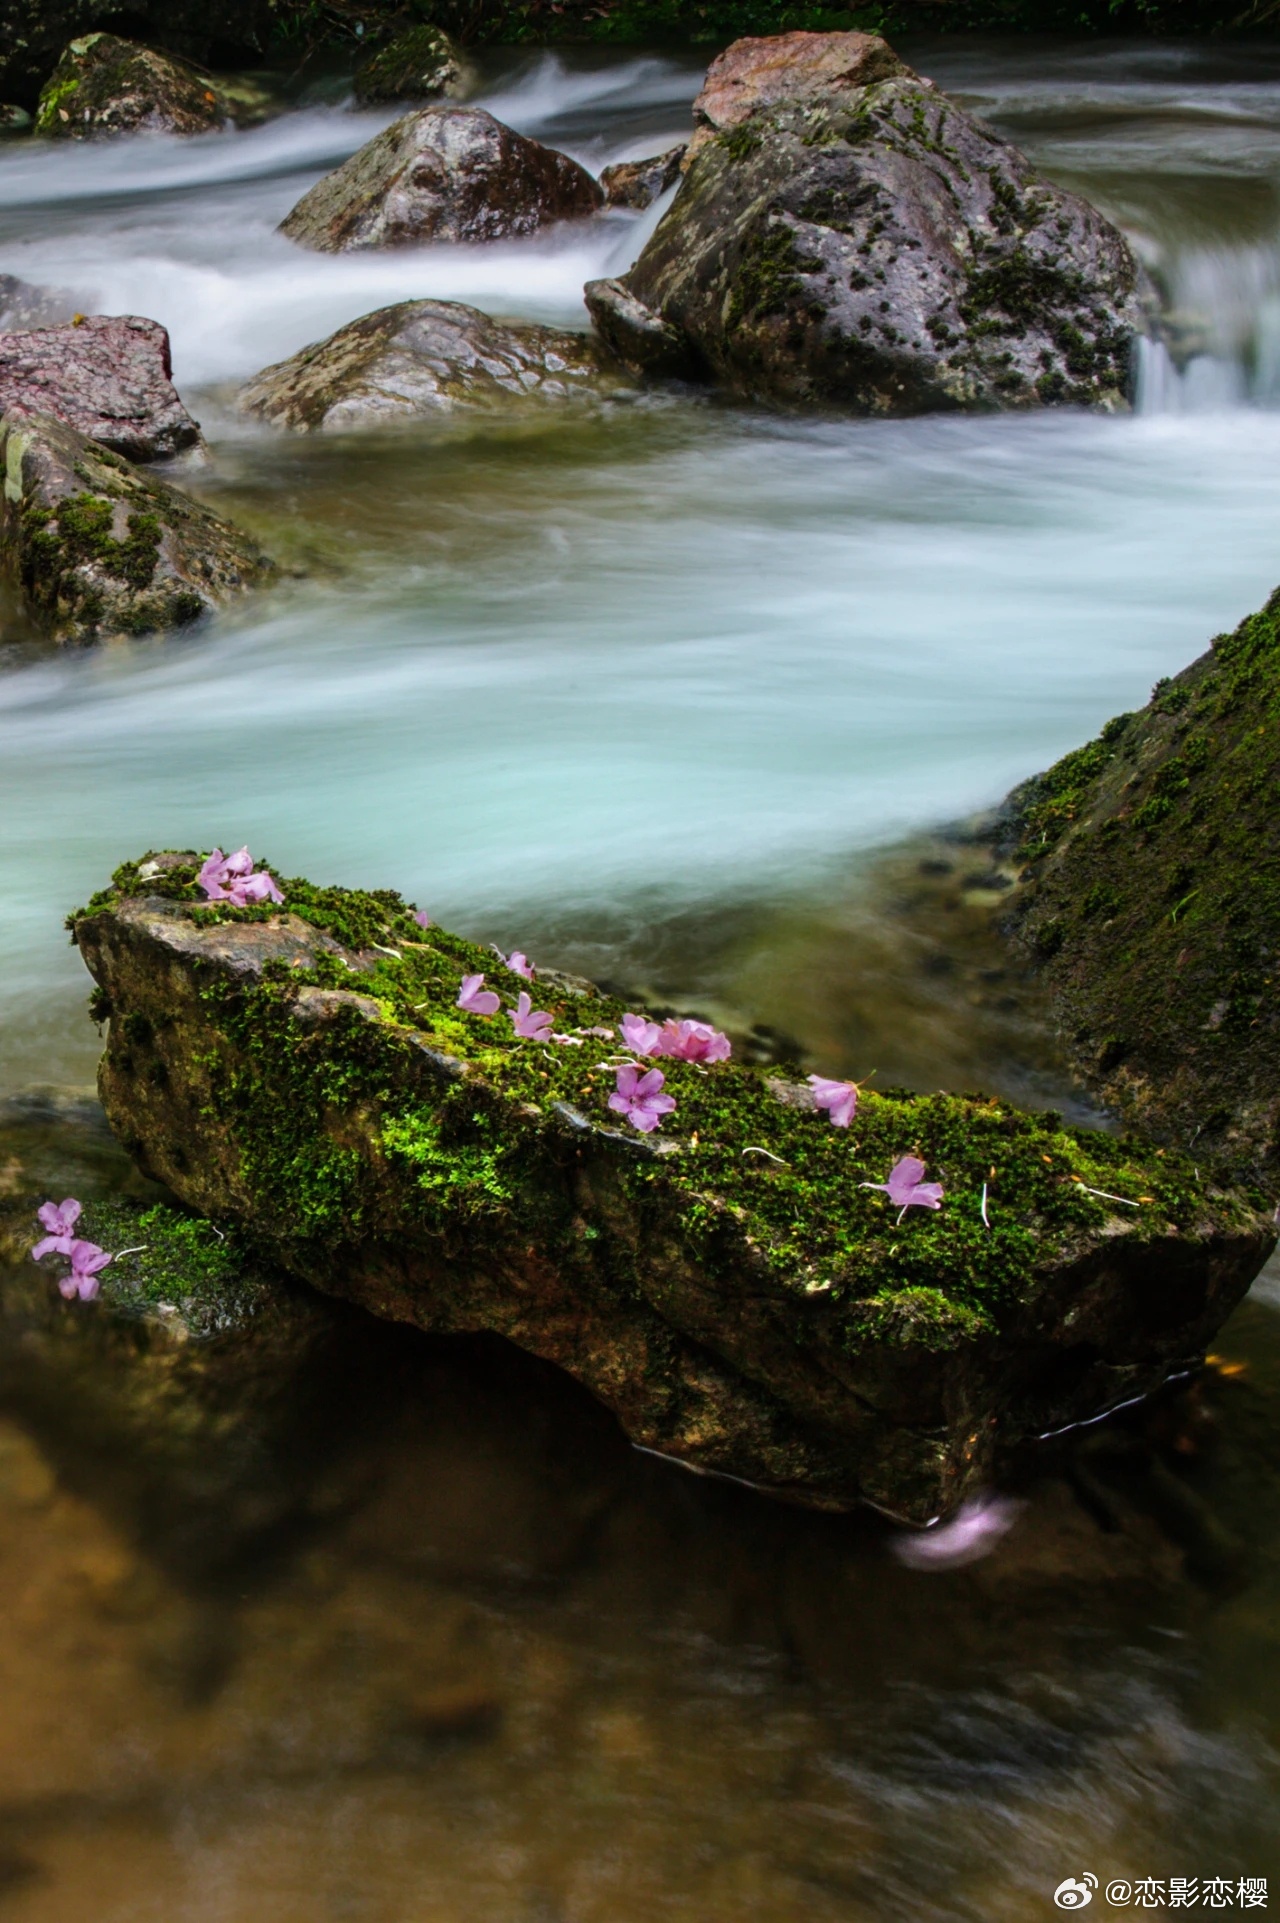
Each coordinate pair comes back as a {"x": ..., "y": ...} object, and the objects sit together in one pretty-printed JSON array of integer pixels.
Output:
[{"x": 646, "y": 691}]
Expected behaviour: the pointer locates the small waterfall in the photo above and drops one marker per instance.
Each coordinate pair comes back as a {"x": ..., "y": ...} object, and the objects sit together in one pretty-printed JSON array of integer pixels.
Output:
[{"x": 1218, "y": 343}]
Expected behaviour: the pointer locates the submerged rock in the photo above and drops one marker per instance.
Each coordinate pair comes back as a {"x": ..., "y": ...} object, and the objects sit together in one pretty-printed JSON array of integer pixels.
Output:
[
  {"x": 845, "y": 235},
  {"x": 1150, "y": 903},
  {"x": 100, "y": 549},
  {"x": 414, "y": 66},
  {"x": 638, "y": 183},
  {"x": 730, "y": 1288},
  {"x": 109, "y": 377},
  {"x": 445, "y": 174},
  {"x": 419, "y": 358},
  {"x": 104, "y": 85}
]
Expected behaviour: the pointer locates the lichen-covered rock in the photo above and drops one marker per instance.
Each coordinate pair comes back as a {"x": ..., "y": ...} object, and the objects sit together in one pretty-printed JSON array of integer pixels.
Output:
[
  {"x": 104, "y": 85},
  {"x": 110, "y": 377},
  {"x": 446, "y": 173},
  {"x": 197, "y": 1378},
  {"x": 862, "y": 242},
  {"x": 638, "y": 183},
  {"x": 100, "y": 549},
  {"x": 730, "y": 1288},
  {"x": 1150, "y": 901},
  {"x": 417, "y": 65},
  {"x": 424, "y": 357}
]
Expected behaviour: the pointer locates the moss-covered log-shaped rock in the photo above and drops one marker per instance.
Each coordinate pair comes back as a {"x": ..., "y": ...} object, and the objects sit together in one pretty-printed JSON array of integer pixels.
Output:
[
  {"x": 730, "y": 1288},
  {"x": 1150, "y": 901},
  {"x": 425, "y": 357},
  {"x": 446, "y": 173},
  {"x": 104, "y": 85},
  {"x": 110, "y": 376},
  {"x": 98, "y": 548},
  {"x": 421, "y": 64},
  {"x": 846, "y": 235}
]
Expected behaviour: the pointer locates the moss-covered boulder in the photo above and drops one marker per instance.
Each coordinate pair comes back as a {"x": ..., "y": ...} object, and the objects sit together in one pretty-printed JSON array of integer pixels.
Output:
[
  {"x": 861, "y": 242},
  {"x": 99, "y": 548},
  {"x": 446, "y": 173},
  {"x": 421, "y": 64},
  {"x": 1150, "y": 901},
  {"x": 105, "y": 85},
  {"x": 422, "y": 358},
  {"x": 196, "y": 1380},
  {"x": 108, "y": 376},
  {"x": 730, "y": 1287}
]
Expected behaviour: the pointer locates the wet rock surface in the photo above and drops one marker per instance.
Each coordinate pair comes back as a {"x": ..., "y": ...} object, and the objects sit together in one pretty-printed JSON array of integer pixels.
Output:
[
  {"x": 1150, "y": 903},
  {"x": 445, "y": 174},
  {"x": 418, "y": 65},
  {"x": 756, "y": 1314},
  {"x": 109, "y": 377},
  {"x": 861, "y": 242},
  {"x": 638, "y": 183},
  {"x": 105, "y": 85},
  {"x": 99, "y": 548},
  {"x": 423, "y": 358}
]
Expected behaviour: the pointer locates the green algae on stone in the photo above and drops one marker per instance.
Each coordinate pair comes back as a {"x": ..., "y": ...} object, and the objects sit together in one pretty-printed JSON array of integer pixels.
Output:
[
  {"x": 103, "y": 84},
  {"x": 730, "y": 1287},
  {"x": 1151, "y": 902}
]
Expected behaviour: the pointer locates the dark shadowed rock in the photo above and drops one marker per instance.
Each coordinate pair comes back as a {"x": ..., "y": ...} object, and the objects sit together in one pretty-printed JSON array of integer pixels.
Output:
[
  {"x": 729, "y": 1288},
  {"x": 638, "y": 183},
  {"x": 447, "y": 173},
  {"x": 420, "y": 358},
  {"x": 1150, "y": 902},
  {"x": 103, "y": 85},
  {"x": 864, "y": 243},
  {"x": 419, "y": 65},
  {"x": 100, "y": 549},
  {"x": 108, "y": 376}
]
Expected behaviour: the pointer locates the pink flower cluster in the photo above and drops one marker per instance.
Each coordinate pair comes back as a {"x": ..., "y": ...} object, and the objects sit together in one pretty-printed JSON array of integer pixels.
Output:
[
  {"x": 683, "y": 1041},
  {"x": 531, "y": 1024},
  {"x": 86, "y": 1258},
  {"x": 232, "y": 878}
]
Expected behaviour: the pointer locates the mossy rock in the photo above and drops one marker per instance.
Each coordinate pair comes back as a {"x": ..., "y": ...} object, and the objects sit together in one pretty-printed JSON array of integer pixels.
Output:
[
  {"x": 731, "y": 1289},
  {"x": 422, "y": 64},
  {"x": 105, "y": 85},
  {"x": 856, "y": 240},
  {"x": 1150, "y": 902},
  {"x": 196, "y": 1381},
  {"x": 100, "y": 549}
]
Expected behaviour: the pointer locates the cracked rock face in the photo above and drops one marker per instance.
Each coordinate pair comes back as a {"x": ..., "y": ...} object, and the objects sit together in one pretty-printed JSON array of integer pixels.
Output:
[
  {"x": 422, "y": 358},
  {"x": 109, "y": 377},
  {"x": 730, "y": 1289},
  {"x": 444, "y": 174},
  {"x": 847, "y": 236},
  {"x": 99, "y": 549}
]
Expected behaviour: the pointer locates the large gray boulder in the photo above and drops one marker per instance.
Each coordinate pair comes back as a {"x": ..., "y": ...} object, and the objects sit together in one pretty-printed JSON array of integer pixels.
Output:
[
  {"x": 108, "y": 376},
  {"x": 105, "y": 85},
  {"x": 846, "y": 235},
  {"x": 99, "y": 548},
  {"x": 421, "y": 358},
  {"x": 444, "y": 174},
  {"x": 730, "y": 1286}
]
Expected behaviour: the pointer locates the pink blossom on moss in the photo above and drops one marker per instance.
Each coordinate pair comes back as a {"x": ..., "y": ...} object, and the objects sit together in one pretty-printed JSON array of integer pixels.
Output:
[
  {"x": 519, "y": 964},
  {"x": 905, "y": 1189},
  {"x": 530, "y": 1023},
  {"x": 86, "y": 1261},
  {"x": 840, "y": 1099},
  {"x": 640, "y": 1098},
  {"x": 693, "y": 1042},
  {"x": 59, "y": 1218},
  {"x": 232, "y": 878},
  {"x": 422, "y": 918},
  {"x": 641, "y": 1035},
  {"x": 476, "y": 998}
]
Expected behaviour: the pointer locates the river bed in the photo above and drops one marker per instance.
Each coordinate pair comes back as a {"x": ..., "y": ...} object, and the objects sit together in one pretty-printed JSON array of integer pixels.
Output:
[{"x": 651, "y": 694}]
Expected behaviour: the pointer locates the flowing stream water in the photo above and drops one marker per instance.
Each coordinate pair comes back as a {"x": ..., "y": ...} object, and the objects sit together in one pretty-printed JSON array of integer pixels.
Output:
[{"x": 647, "y": 692}]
